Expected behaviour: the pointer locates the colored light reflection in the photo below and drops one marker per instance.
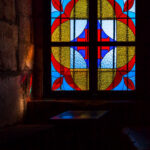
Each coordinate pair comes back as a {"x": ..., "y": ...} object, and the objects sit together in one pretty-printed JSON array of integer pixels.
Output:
[{"x": 80, "y": 115}]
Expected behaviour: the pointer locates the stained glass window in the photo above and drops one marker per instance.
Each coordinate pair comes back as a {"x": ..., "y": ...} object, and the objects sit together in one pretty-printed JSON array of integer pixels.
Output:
[
  {"x": 116, "y": 64},
  {"x": 70, "y": 68},
  {"x": 70, "y": 61},
  {"x": 116, "y": 68},
  {"x": 69, "y": 20},
  {"x": 116, "y": 20},
  {"x": 70, "y": 65}
]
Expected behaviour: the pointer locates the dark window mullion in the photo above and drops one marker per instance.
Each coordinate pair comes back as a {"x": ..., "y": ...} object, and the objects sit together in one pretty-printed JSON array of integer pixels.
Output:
[
  {"x": 69, "y": 43},
  {"x": 96, "y": 43},
  {"x": 93, "y": 44},
  {"x": 116, "y": 44}
]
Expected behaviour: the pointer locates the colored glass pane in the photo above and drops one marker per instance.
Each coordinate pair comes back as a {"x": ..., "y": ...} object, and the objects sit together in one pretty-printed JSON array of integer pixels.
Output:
[
  {"x": 69, "y": 20},
  {"x": 116, "y": 68},
  {"x": 116, "y": 20},
  {"x": 70, "y": 68}
]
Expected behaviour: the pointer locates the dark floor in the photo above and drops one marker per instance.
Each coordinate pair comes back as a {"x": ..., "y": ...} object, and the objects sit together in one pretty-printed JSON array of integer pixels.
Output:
[
  {"x": 47, "y": 137},
  {"x": 110, "y": 133}
]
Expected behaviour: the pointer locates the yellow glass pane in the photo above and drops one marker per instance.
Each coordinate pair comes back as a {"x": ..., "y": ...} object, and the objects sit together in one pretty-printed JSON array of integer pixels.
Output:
[
  {"x": 105, "y": 9},
  {"x": 81, "y": 78},
  {"x": 105, "y": 78},
  {"x": 80, "y": 10}
]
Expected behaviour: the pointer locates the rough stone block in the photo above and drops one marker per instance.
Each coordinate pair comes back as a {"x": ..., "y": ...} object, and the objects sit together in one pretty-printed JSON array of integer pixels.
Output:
[
  {"x": 25, "y": 29},
  {"x": 1, "y": 10},
  {"x": 24, "y": 7},
  {"x": 7, "y": 10},
  {"x": 8, "y": 46}
]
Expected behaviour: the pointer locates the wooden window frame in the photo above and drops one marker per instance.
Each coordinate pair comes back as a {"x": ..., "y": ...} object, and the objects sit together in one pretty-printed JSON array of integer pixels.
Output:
[{"x": 99, "y": 95}]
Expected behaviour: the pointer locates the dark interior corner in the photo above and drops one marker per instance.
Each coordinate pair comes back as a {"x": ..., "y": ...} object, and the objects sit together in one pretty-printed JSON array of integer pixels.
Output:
[{"x": 25, "y": 115}]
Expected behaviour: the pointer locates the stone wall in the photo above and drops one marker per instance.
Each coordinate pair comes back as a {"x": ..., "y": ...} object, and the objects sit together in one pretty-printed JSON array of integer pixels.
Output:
[{"x": 16, "y": 55}]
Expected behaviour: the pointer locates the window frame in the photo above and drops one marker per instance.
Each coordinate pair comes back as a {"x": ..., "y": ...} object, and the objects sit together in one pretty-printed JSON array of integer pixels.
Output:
[{"x": 91, "y": 94}]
